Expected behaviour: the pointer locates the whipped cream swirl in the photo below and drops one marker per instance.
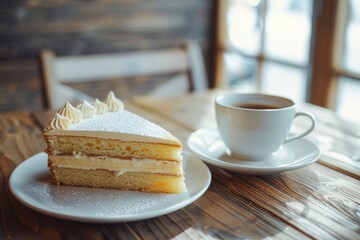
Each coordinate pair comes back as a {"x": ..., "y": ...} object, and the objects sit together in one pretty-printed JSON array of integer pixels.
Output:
[
  {"x": 59, "y": 122},
  {"x": 100, "y": 107},
  {"x": 114, "y": 104},
  {"x": 71, "y": 112},
  {"x": 68, "y": 114},
  {"x": 87, "y": 110}
]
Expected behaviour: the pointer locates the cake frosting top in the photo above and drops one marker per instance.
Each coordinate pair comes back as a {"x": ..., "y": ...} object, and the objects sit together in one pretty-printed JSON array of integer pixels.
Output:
[{"x": 99, "y": 122}]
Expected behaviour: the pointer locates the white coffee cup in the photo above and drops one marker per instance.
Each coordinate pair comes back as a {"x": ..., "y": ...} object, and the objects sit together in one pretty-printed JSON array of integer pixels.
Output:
[{"x": 254, "y": 126}]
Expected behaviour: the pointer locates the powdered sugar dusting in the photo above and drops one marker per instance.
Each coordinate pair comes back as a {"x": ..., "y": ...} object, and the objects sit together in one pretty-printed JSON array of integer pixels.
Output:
[
  {"x": 122, "y": 125},
  {"x": 83, "y": 201}
]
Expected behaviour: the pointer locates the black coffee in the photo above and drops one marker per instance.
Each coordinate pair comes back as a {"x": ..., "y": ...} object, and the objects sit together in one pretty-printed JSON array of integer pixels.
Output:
[{"x": 256, "y": 106}]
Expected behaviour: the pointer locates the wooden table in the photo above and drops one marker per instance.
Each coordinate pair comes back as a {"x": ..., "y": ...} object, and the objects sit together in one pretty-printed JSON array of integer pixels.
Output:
[{"x": 319, "y": 201}]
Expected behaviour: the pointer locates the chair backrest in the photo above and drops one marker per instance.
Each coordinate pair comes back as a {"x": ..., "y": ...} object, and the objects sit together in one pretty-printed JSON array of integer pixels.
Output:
[{"x": 60, "y": 70}]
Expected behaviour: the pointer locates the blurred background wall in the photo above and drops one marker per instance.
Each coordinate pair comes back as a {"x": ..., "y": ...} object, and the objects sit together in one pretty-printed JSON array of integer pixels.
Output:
[{"x": 74, "y": 27}]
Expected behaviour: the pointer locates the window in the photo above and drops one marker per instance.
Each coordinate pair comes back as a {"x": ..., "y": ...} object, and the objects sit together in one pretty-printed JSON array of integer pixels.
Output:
[
  {"x": 269, "y": 46},
  {"x": 347, "y": 102}
]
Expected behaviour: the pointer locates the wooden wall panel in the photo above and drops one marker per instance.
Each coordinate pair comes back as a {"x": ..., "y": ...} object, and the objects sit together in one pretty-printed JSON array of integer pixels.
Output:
[
  {"x": 20, "y": 87},
  {"x": 74, "y": 27}
]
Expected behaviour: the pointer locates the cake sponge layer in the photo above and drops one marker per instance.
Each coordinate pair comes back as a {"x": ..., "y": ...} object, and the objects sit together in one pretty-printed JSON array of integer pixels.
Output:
[
  {"x": 109, "y": 147},
  {"x": 118, "y": 165},
  {"x": 148, "y": 182}
]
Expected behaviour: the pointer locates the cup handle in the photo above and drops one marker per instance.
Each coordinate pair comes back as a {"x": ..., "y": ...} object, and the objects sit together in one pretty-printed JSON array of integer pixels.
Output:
[{"x": 312, "y": 118}]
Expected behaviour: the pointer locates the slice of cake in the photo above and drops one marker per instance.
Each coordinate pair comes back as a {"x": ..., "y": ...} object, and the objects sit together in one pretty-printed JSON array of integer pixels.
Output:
[{"x": 102, "y": 145}]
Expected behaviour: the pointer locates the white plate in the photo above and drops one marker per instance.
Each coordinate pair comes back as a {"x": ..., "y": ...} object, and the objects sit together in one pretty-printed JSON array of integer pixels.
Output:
[
  {"x": 30, "y": 184},
  {"x": 207, "y": 145}
]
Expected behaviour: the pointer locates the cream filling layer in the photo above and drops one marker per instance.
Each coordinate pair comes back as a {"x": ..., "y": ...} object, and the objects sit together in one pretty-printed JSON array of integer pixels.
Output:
[{"x": 120, "y": 166}]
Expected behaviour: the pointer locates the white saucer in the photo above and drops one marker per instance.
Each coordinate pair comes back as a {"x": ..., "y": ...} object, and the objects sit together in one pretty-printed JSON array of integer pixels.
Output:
[
  {"x": 207, "y": 145},
  {"x": 30, "y": 184}
]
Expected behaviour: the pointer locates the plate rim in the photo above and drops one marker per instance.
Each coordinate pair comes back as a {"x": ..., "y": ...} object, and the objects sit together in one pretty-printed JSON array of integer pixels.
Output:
[
  {"x": 250, "y": 170},
  {"x": 107, "y": 219}
]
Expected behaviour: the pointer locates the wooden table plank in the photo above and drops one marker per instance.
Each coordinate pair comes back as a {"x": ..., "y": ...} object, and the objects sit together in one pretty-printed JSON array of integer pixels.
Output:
[
  {"x": 313, "y": 202},
  {"x": 244, "y": 218},
  {"x": 316, "y": 200}
]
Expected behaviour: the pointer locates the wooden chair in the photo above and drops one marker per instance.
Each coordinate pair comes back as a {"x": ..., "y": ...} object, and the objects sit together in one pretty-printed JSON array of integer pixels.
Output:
[{"x": 60, "y": 70}]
